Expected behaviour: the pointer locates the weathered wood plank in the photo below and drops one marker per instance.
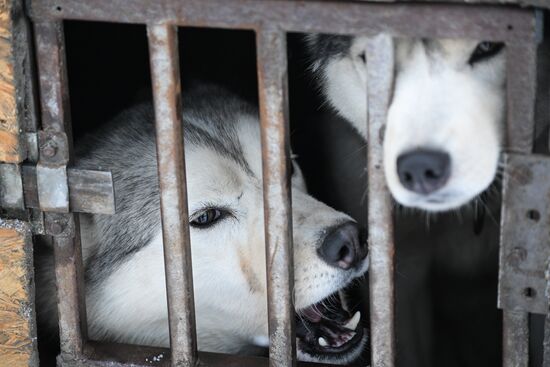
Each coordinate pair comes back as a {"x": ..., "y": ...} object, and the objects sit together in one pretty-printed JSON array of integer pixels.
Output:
[
  {"x": 10, "y": 147},
  {"x": 17, "y": 317}
]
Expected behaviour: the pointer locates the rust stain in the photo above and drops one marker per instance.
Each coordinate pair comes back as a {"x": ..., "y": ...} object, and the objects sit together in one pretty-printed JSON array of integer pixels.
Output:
[{"x": 522, "y": 175}]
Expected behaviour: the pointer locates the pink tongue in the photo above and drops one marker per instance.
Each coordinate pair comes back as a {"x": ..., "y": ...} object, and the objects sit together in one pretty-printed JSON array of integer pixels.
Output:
[{"x": 311, "y": 314}]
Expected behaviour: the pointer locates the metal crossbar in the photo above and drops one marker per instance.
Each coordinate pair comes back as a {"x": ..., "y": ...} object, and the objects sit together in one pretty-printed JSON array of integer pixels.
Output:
[{"x": 271, "y": 20}]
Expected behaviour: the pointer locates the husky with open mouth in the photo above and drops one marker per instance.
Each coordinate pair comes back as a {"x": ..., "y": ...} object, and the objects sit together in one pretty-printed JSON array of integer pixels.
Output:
[
  {"x": 444, "y": 132},
  {"x": 123, "y": 253}
]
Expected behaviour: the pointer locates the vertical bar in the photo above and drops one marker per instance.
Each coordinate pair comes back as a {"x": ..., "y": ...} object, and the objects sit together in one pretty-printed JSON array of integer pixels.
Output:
[
  {"x": 54, "y": 99},
  {"x": 546, "y": 342},
  {"x": 515, "y": 328},
  {"x": 52, "y": 72},
  {"x": 521, "y": 82},
  {"x": 272, "y": 82},
  {"x": 521, "y": 86},
  {"x": 380, "y": 69},
  {"x": 163, "y": 49},
  {"x": 69, "y": 279}
]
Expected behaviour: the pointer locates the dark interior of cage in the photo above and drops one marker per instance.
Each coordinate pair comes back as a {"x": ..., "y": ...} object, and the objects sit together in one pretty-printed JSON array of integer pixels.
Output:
[{"x": 446, "y": 284}]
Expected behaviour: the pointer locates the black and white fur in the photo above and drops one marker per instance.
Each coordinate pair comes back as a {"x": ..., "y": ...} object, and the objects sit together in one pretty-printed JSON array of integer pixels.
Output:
[
  {"x": 449, "y": 95},
  {"x": 123, "y": 253}
]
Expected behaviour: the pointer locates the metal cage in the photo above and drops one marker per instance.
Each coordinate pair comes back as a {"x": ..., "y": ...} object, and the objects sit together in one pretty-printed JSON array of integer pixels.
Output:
[{"x": 270, "y": 20}]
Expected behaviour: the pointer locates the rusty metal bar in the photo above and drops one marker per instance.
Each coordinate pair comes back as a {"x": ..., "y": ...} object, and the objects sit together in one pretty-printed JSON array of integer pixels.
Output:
[
  {"x": 11, "y": 186},
  {"x": 524, "y": 250},
  {"x": 99, "y": 354},
  {"x": 537, "y": 3},
  {"x": 163, "y": 49},
  {"x": 380, "y": 70},
  {"x": 69, "y": 281},
  {"x": 89, "y": 191},
  {"x": 273, "y": 93},
  {"x": 54, "y": 97},
  {"x": 515, "y": 348},
  {"x": 406, "y": 20},
  {"x": 521, "y": 89},
  {"x": 521, "y": 85},
  {"x": 546, "y": 342},
  {"x": 54, "y": 93}
]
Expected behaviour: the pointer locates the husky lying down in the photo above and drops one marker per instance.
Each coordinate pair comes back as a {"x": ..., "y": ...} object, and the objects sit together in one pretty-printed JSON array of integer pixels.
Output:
[
  {"x": 444, "y": 130},
  {"x": 123, "y": 254}
]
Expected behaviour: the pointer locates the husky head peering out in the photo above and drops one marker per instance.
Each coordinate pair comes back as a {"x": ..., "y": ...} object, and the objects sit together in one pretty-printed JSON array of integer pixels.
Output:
[
  {"x": 123, "y": 253},
  {"x": 444, "y": 130}
]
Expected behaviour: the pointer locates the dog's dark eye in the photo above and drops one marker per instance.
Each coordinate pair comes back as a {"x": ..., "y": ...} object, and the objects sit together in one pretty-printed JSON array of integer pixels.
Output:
[
  {"x": 484, "y": 51},
  {"x": 207, "y": 217},
  {"x": 362, "y": 57}
]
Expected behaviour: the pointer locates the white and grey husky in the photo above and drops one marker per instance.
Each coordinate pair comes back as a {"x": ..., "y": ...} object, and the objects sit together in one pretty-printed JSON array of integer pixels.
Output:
[
  {"x": 442, "y": 146},
  {"x": 444, "y": 130},
  {"x": 123, "y": 253}
]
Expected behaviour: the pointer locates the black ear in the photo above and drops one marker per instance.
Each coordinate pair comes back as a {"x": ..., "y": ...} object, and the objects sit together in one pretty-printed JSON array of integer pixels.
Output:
[{"x": 325, "y": 46}]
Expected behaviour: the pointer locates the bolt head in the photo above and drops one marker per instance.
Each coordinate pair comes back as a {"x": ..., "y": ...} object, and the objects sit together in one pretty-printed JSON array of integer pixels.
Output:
[
  {"x": 517, "y": 256},
  {"x": 49, "y": 151},
  {"x": 56, "y": 228}
]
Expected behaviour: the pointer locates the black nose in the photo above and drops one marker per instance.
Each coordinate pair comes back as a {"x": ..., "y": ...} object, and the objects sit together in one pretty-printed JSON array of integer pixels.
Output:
[
  {"x": 342, "y": 247},
  {"x": 423, "y": 171}
]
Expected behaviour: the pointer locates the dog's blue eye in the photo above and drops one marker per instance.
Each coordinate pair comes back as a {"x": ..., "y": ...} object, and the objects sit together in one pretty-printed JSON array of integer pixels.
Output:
[
  {"x": 207, "y": 218},
  {"x": 484, "y": 51}
]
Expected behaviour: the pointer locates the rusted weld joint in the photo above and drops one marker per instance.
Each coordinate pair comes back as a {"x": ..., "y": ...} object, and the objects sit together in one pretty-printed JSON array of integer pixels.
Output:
[
  {"x": 59, "y": 224},
  {"x": 54, "y": 148}
]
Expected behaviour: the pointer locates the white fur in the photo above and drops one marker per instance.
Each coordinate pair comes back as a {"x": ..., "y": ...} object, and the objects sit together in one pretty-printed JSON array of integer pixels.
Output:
[
  {"x": 228, "y": 260},
  {"x": 440, "y": 102}
]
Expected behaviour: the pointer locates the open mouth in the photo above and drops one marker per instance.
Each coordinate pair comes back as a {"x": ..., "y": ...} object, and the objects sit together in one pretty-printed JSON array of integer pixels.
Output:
[{"x": 326, "y": 331}]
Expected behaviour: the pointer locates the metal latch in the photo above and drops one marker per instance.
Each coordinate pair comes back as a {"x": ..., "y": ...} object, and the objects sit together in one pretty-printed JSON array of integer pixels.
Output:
[{"x": 89, "y": 191}]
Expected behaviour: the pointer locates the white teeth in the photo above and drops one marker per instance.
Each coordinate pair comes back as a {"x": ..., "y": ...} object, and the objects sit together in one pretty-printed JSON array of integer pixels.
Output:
[
  {"x": 323, "y": 342},
  {"x": 353, "y": 322}
]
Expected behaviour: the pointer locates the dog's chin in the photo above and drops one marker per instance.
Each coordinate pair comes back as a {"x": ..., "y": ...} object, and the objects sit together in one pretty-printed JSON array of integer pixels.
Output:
[
  {"x": 436, "y": 205},
  {"x": 326, "y": 332},
  {"x": 437, "y": 202}
]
